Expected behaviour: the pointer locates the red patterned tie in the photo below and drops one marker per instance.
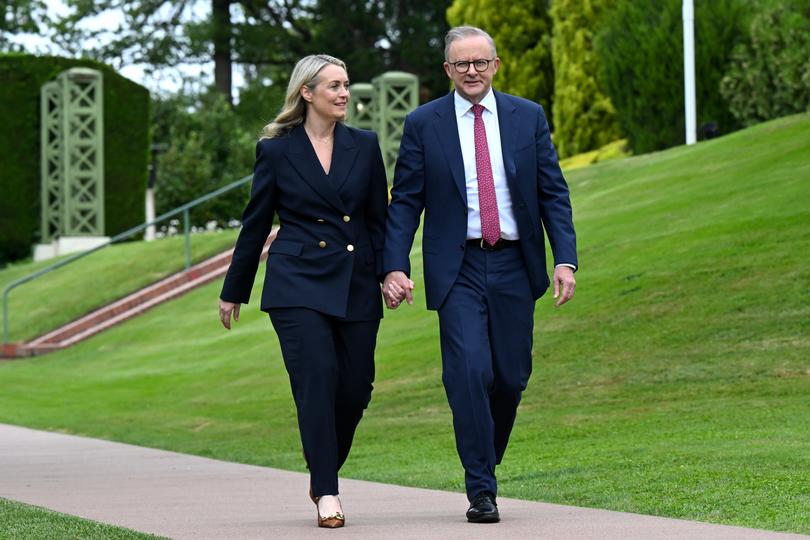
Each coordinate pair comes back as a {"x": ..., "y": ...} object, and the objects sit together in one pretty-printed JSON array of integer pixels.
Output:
[{"x": 487, "y": 201}]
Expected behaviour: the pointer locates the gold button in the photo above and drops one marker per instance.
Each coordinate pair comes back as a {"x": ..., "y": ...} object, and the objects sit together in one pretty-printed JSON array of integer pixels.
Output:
[
  {"x": 350, "y": 247},
  {"x": 347, "y": 219},
  {"x": 322, "y": 244}
]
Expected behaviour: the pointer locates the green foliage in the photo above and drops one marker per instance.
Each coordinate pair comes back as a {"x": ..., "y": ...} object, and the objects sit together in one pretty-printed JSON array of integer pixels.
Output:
[
  {"x": 614, "y": 150},
  {"x": 522, "y": 34},
  {"x": 584, "y": 117},
  {"x": 640, "y": 49},
  {"x": 769, "y": 74},
  {"x": 206, "y": 147},
  {"x": 126, "y": 140},
  {"x": 19, "y": 16},
  {"x": 267, "y": 37},
  {"x": 673, "y": 384}
]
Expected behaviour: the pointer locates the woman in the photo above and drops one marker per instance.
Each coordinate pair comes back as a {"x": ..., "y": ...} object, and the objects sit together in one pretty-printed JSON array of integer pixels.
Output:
[{"x": 326, "y": 182}]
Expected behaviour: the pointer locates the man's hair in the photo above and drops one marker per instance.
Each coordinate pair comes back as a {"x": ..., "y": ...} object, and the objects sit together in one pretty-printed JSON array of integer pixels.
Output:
[{"x": 461, "y": 32}]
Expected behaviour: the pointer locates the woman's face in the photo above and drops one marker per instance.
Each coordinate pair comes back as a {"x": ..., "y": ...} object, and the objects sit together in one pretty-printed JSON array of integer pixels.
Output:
[{"x": 330, "y": 97}]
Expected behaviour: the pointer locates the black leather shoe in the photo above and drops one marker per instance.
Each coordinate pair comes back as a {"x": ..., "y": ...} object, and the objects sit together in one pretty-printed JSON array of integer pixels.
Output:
[{"x": 483, "y": 509}]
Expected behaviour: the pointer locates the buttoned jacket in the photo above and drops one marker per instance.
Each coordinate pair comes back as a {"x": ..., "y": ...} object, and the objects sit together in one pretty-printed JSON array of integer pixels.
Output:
[
  {"x": 327, "y": 255},
  {"x": 429, "y": 176}
]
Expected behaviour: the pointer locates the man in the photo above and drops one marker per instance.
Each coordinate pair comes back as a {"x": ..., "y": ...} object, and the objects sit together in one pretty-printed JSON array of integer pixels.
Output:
[{"x": 482, "y": 167}]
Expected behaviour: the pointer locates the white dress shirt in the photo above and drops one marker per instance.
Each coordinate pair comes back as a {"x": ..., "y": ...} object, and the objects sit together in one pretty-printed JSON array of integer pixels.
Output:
[{"x": 465, "y": 119}]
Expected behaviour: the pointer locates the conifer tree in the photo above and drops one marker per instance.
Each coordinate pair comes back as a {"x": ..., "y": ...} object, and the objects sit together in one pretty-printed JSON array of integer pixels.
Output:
[
  {"x": 584, "y": 117},
  {"x": 522, "y": 34}
]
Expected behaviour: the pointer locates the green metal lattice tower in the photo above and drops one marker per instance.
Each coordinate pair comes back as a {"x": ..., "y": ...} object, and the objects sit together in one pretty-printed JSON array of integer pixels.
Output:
[
  {"x": 73, "y": 155},
  {"x": 382, "y": 106},
  {"x": 396, "y": 93},
  {"x": 361, "y": 106},
  {"x": 51, "y": 160}
]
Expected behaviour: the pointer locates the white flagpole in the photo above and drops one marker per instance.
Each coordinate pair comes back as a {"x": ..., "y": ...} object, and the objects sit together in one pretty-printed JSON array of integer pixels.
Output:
[{"x": 689, "y": 70}]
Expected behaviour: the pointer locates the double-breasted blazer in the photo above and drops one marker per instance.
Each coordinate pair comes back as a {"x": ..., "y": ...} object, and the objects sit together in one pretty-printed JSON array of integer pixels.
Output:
[{"x": 327, "y": 255}]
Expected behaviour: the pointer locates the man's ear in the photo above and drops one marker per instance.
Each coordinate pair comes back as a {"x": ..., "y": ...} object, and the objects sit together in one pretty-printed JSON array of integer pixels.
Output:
[{"x": 447, "y": 70}]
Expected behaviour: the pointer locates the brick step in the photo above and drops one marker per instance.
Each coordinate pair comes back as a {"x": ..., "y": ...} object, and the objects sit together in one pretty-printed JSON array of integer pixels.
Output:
[{"x": 125, "y": 308}]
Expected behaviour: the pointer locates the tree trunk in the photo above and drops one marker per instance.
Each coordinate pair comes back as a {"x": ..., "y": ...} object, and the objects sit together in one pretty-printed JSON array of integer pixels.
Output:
[{"x": 221, "y": 25}]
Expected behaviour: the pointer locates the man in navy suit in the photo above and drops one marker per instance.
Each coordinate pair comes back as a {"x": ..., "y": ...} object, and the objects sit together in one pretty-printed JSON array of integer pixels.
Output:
[{"x": 482, "y": 167}]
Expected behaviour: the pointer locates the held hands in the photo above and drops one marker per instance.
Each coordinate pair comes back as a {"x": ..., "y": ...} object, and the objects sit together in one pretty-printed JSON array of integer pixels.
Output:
[
  {"x": 225, "y": 310},
  {"x": 563, "y": 276},
  {"x": 397, "y": 287}
]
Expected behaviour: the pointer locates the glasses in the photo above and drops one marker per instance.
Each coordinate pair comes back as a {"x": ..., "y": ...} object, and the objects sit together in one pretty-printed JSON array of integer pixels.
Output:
[{"x": 463, "y": 66}]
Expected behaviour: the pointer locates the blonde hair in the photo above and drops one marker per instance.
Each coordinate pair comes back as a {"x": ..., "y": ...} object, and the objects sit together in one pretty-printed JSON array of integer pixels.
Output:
[{"x": 294, "y": 110}]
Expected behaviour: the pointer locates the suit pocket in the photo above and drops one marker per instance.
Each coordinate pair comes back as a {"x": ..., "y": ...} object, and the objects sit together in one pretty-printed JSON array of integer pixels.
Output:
[{"x": 286, "y": 247}]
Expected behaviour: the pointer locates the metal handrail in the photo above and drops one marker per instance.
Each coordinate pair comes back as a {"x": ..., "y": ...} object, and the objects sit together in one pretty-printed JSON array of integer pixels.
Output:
[{"x": 121, "y": 236}]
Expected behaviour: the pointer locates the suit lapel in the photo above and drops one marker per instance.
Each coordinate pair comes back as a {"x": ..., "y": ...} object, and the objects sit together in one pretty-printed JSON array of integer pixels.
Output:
[
  {"x": 447, "y": 131},
  {"x": 344, "y": 155},
  {"x": 509, "y": 126},
  {"x": 304, "y": 160}
]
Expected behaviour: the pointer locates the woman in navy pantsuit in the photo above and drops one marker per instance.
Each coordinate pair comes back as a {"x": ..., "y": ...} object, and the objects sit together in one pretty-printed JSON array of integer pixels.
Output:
[{"x": 326, "y": 182}]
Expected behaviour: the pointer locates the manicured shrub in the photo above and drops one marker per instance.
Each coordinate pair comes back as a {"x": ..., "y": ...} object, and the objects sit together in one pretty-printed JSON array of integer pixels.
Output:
[
  {"x": 126, "y": 144},
  {"x": 769, "y": 73}
]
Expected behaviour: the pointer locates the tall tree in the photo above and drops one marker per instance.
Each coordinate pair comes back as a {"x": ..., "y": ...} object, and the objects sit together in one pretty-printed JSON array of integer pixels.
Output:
[
  {"x": 266, "y": 35},
  {"x": 161, "y": 33},
  {"x": 584, "y": 116},
  {"x": 19, "y": 16},
  {"x": 415, "y": 30},
  {"x": 522, "y": 34}
]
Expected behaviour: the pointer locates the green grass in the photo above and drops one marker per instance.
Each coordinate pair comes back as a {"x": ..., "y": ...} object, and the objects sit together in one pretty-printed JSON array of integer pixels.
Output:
[
  {"x": 676, "y": 383},
  {"x": 106, "y": 275},
  {"x": 21, "y": 521}
]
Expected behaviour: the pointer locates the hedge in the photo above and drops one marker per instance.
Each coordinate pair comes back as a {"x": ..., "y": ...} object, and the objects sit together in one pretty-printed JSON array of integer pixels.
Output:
[{"x": 126, "y": 148}]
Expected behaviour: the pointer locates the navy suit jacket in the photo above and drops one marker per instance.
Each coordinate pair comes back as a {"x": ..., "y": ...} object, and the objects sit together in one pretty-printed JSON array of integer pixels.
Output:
[
  {"x": 328, "y": 252},
  {"x": 429, "y": 176}
]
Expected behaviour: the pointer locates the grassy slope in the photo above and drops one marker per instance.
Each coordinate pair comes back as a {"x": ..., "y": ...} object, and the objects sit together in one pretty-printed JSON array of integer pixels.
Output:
[
  {"x": 675, "y": 384},
  {"x": 106, "y": 275},
  {"x": 21, "y": 521}
]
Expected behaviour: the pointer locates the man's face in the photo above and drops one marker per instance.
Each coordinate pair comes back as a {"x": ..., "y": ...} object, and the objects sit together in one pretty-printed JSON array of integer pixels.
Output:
[{"x": 471, "y": 84}]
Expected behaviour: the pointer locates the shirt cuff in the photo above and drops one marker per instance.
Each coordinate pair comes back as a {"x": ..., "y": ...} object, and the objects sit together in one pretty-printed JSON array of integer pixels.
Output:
[{"x": 571, "y": 266}]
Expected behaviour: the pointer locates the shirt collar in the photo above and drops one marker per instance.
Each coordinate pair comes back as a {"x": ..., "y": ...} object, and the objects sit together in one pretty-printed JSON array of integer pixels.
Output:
[{"x": 463, "y": 105}]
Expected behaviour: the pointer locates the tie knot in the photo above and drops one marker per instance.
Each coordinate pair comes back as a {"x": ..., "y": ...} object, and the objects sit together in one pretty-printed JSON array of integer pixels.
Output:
[{"x": 478, "y": 110}]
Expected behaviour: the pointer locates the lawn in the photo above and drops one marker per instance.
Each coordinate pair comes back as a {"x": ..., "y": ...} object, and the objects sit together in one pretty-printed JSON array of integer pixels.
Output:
[
  {"x": 22, "y": 522},
  {"x": 97, "y": 279},
  {"x": 677, "y": 382}
]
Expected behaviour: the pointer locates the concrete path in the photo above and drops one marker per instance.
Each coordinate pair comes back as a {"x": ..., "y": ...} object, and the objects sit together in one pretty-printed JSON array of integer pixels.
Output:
[{"x": 182, "y": 496}]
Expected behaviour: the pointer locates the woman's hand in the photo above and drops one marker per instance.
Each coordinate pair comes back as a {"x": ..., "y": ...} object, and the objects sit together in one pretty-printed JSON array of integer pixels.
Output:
[{"x": 225, "y": 310}]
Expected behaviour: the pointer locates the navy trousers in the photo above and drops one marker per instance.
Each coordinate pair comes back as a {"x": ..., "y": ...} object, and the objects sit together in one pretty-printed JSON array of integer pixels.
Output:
[
  {"x": 486, "y": 325},
  {"x": 330, "y": 362}
]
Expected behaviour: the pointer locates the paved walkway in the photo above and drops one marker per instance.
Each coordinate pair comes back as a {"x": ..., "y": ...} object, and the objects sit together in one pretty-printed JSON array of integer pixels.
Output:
[{"x": 182, "y": 496}]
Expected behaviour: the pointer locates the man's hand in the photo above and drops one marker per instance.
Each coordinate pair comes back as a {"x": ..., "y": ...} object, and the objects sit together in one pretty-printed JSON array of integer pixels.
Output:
[
  {"x": 225, "y": 310},
  {"x": 563, "y": 276},
  {"x": 397, "y": 287}
]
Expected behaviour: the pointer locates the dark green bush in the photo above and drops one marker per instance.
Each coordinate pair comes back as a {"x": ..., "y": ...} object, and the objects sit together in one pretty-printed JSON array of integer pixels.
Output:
[
  {"x": 206, "y": 147},
  {"x": 641, "y": 54},
  {"x": 126, "y": 148},
  {"x": 769, "y": 74}
]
